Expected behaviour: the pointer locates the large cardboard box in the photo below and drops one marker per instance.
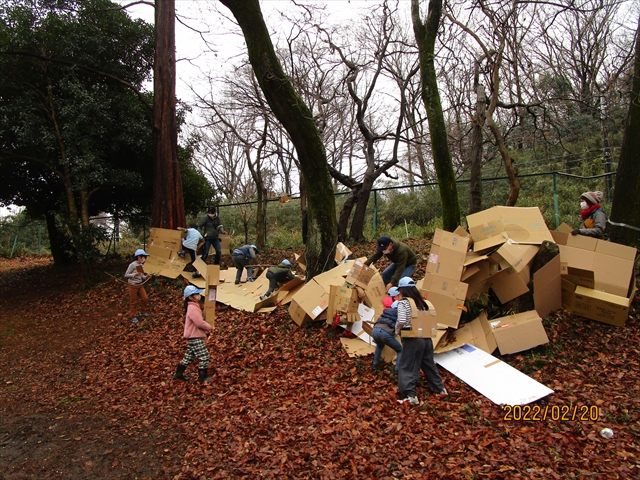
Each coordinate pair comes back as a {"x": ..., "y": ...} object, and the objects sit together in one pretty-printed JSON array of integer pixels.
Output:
[
  {"x": 447, "y": 255},
  {"x": 522, "y": 331},
  {"x": 596, "y": 305},
  {"x": 447, "y": 296},
  {"x": 611, "y": 263},
  {"x": 310, "y": 301},
  {"x": 496, "y": 225},
  {"x": 166, "y": 238}
]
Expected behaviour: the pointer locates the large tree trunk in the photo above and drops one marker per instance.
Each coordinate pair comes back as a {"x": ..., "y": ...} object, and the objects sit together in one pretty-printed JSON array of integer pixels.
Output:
[
  {"x": 168, "y": 202},
  {"x": 626, "y": 201},
  {"x": 362, "y": 200},
  {"x": 297, "y": 119},
  {"x": 55, "y": 245},
  {"x": 425, "y": 34}
]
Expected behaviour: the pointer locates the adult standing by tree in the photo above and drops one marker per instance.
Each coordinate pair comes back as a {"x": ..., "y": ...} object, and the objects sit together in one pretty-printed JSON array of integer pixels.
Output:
[
  {"x": 212, "y": 228},
  {"x": 403, "y": 260}
]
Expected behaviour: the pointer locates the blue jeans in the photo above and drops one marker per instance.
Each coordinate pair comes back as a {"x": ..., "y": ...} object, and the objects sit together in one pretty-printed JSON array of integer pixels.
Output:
[
  {"x": 208, "y": 242},
  {"x": 388, "y": 272},
  {"x": 383, "y": 338}
]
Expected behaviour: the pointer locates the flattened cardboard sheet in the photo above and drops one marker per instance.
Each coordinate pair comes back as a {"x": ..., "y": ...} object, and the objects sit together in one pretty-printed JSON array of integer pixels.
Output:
[{"x": 496, "y": 380}]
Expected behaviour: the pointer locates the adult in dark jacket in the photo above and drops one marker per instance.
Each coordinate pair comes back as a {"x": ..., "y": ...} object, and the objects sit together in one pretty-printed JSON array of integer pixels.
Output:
[
  {"x": 403, "y": 261},
  {"x": 281, "y": 273},
  {"x": 384, "y": 329},
  {"x": 211, "y": 229},
  {"x": 593, "y": 216},
  {"x": 242, "y": 258}
]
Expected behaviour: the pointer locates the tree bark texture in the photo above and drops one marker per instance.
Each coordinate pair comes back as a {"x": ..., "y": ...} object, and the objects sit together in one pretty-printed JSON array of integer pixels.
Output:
[
  {"x": 425, "y": 34},
  {"x": 297, "y": 119},
  {"x": 475, "y": 184},
  {"x": 626, "y": 200},
  {"x": 168, "y": 202}
]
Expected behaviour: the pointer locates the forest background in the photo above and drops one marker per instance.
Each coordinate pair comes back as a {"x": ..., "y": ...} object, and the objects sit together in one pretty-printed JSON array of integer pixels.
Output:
[{"x": 78, "y": 142}]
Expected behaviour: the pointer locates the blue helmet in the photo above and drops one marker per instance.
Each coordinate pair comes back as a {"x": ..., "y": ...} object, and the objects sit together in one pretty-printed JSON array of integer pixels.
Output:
[
  {"x": 191, "y": 290},
  {"x": 406, "y": 282}
]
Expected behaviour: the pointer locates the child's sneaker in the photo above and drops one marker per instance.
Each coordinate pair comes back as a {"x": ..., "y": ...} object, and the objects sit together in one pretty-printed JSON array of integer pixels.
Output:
[
  {"x": 410, "y": 400},
  {"x": 443, "y": 392},
  {"x": 181, "y": 254},
  {"x": 263, "y": 297},
  {"x": 249, "y": 279}
]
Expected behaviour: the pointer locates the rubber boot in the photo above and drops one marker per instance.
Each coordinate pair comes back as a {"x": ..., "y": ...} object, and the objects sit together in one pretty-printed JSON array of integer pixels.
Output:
[
  {"x": 203, "y": 376},
  {"x": 179, "y": 375}
]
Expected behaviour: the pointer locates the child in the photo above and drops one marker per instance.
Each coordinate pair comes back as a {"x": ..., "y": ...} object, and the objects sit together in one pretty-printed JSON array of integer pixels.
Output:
[
  {"x": 384, "y": 329},
  {"x": 277, "y": 274},
  {"x": 195, "y": 331},
  {"x": 417, "y": 353},
  {"x": 190, "y": 244},
  {"x": 242, "y": 258},
  {"x": 135, "y": 276}
]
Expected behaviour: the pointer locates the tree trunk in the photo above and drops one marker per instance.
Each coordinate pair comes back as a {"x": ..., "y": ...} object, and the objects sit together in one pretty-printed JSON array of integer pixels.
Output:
[
  {"x": 57, "y": 250},
  {"x": 626, "y": 201},
  {"x": 475, "y": 184},
  {"x": 168, "y": 202},
  {"x": 362, "y": 200},
  {"x": 345, "y": 212},
  {"x": 297, "y": 119},
  {"x": 425, "y": 34}
]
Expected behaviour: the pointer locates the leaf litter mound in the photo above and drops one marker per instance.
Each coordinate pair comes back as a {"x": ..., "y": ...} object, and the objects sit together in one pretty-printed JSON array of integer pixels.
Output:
[{"x": 87, "y": 394}]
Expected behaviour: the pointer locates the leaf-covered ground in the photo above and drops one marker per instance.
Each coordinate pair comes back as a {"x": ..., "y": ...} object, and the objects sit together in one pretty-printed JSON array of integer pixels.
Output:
[{"x": 87, "y": 394}]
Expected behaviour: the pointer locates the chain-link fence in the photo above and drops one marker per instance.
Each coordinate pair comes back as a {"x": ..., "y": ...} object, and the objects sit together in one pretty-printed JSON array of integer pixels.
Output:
[{"x": 401, "y": 211}]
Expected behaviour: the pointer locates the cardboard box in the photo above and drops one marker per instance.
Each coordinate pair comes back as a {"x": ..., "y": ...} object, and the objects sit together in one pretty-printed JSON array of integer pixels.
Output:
[
  {"x": 547, "y": 288},
  {"x": 612, "y": 264},
  {"x": 225, "y": 244},
  {"x": 310, "y": 301},
  {"x": 165, "y": 238},
  {"x": 343, "y": 301},
  {"x": 596, "y": 305},
  {"x": 507, "y": 285},
  {"x": 342, "y": 252},
  {"x": 496, "y": 225},
  {"x": 447, "y": 297},
  {"x": 519, "y": 332},
  {"x": 514, "y": 255},
  {"x": 212, "y": 277},
  {"x": 423, "y": 323},
  {"x": 360, "y": 274},
  {"x": 478, "y": 332},
  {"x": 447, "y": 255}
]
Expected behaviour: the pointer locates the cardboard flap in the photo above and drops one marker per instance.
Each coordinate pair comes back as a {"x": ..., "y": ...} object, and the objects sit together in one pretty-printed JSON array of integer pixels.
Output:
[
  {"x": 522, "y": 331},
  {"x": 547, "y": 288}
]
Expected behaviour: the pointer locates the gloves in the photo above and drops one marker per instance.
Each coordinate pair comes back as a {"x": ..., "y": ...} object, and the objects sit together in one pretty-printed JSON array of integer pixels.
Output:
[{"x": 576, "y": 232}]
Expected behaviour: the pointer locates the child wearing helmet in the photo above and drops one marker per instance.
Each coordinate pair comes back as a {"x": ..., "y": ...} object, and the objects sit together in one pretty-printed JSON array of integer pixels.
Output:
[
  {"x": 242, "y": 258},
  {"x": 281, "y": 273},
  {"x": 384, "y": 329},
  {"x": 417, "y": 353},
  {"x": 195, "y": 331},
  {"x": 136, "y": 276},
  {"x": 190, "y": 245}
]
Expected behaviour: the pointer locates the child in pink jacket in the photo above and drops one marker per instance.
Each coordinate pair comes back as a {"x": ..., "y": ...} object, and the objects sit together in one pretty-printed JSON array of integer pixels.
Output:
[{"x": 195, "y": 331}]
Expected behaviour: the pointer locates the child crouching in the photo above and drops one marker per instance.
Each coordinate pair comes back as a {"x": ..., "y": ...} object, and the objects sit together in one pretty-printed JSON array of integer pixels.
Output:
[{"x": 195, "y": 331}]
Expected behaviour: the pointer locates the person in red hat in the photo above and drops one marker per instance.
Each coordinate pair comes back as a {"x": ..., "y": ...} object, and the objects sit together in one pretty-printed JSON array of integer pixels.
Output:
[{"x": 592, "y": 215}]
